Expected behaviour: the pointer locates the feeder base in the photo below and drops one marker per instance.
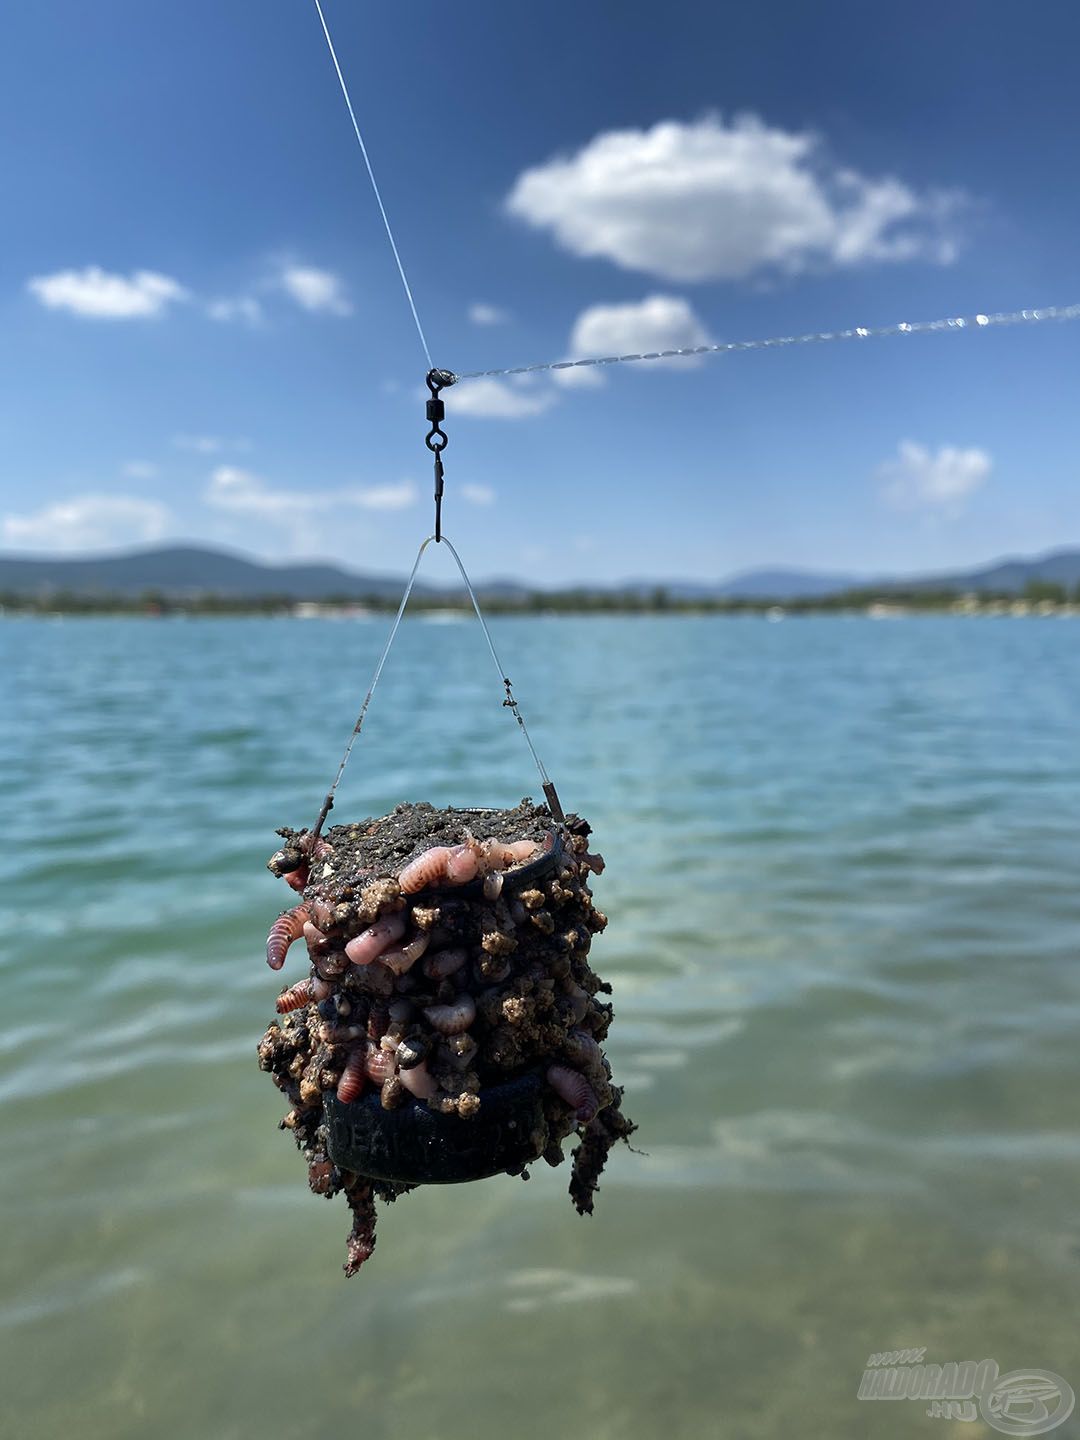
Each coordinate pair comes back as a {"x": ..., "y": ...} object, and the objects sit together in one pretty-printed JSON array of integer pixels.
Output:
[{"x": 414, "y": 1145}]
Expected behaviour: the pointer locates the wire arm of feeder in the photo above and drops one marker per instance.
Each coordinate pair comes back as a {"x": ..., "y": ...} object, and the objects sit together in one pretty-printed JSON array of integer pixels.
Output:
[{"x": 510, "y": 702}]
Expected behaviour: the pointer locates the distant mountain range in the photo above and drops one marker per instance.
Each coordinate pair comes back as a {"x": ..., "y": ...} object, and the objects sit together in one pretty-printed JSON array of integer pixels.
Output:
[
  {"x": 1061, "y": 567},
  {"x": 183, "y": 572}
]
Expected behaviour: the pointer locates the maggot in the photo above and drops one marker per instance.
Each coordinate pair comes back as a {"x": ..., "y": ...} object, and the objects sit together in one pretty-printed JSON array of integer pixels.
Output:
[
  {"x": 419, "y": 1081},
  {"x": 581, "y": 1049},
  {"x": 379, "y": 1064},
  {"x": 442, "y": 864},
  {"x": 317, "y": 942},
  {"x": 302, "y": 994},
  {"x": 572, "y": 1087},
  {"x": 401, "y": 958},
  {"x": 493, "y": 884},
  {"x": 500, "y": 856},
  {"x": 451, "y": 1019},
  {"x": 352, "y": 1078},
  {"x": 443, "y": 963},
  {"x": 285, "y": 929}
]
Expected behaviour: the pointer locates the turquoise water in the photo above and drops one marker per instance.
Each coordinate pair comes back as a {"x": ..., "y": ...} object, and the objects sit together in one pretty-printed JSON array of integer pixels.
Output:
[{"x": 844, "y": 887}]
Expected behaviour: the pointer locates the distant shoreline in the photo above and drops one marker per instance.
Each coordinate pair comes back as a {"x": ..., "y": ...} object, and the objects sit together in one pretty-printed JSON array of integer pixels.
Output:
[{"x": 1035, "y": 603}]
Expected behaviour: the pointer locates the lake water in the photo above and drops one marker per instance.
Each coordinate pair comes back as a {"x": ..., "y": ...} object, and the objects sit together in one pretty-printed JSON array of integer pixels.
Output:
[{"x": 844, "y": 888}]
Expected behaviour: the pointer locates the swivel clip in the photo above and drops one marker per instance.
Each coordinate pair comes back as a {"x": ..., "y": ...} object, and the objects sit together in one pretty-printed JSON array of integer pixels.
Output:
[{"x": 437, "y": 438}]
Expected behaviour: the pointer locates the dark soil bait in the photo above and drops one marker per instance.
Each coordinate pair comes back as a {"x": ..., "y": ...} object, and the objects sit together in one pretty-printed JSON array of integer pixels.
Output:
[{"x": 450, "y": 1026}]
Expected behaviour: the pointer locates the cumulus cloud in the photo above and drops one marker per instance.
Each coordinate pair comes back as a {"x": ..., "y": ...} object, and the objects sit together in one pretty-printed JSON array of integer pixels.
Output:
[
  {"x": 938, "y": 481},
  {"x": 244, "y": 308},
  {"x": 320, "y": 291},
  {"x": 245, "y": 493},
  {"x": 383, "y": 497},
  {"x": 98, "y": 295},
  {"x": 209, "y": 444},
  {"x": 88, "y": 522},
  {"x": 478, "y": 494},
  {"x": 659, "y": 322},
  {"x": 709, "y": 200},
  {"x": 491, "y": 399},
  {"x": 140, "y": 470},
  {"x": 481, "y": 314}
]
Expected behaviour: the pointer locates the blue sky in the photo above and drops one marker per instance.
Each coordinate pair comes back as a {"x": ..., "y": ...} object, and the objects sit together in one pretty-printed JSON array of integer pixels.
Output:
[{"x": 205, "y": 338}]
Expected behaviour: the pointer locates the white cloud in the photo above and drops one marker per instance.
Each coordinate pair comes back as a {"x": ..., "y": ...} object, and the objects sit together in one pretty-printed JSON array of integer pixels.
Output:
[
  {"x": 140, "y": 470},
  {"x": 382, "y": 497},
  {"x": 236, "y": 307},
  {"x": 239, "y": 490},
  {"x": 708, "y": 200},
  {"x": 478, "y": 494},
  {"x": 939, "y": 481},
  {"x": 209, "y": 444},
  {"x": 245, "y": 493},
  {"x": 481, "y": 314},
  {"x": 201, "y": 444},
  {"x": 660, "y": 322},
  {"x": 491, "y": 399},
  {"x": 88, "y": 522},
  {"x": 96, "y": 294},
  {"x": 315, "y": 290}
]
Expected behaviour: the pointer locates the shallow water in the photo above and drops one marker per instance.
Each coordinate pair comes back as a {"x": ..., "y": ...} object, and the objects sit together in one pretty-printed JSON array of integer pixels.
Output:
[{"x": 844, "y": 887}]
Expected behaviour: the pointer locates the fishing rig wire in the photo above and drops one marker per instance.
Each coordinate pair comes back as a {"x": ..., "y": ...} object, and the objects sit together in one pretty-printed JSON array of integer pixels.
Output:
[{"x": 509, "y": 703}]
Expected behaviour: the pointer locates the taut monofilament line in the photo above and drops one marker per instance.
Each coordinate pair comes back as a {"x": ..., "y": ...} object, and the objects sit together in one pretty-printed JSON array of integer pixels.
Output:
[{"x": 954, "y": 323}]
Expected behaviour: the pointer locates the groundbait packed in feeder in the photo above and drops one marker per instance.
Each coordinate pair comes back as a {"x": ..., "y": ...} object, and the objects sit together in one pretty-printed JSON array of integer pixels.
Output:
[{"x": 450, "y": 1026}]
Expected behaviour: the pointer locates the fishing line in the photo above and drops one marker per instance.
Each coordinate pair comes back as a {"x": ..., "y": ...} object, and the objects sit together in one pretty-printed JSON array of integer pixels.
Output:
[
  {"x": 859, "y": 332},
  {"x": 374, "y": 183}
]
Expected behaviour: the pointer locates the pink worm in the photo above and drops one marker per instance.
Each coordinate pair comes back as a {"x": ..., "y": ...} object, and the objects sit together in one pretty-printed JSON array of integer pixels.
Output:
[
  {"x": 352, "y": 1078},
  {"x": 297, "y": 879},
  {"x": 452, "y": 1019},
  {"x": 419, "y": 1081},
  {"x": 370, "y": 943},
  {"x": 443, "y": 963},
  {"x": 404, "y": 957},
  {"x": 285, "y": 929},
  {"x": 302, "y": 994},
  {"x": 575, "y": 1090}
]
